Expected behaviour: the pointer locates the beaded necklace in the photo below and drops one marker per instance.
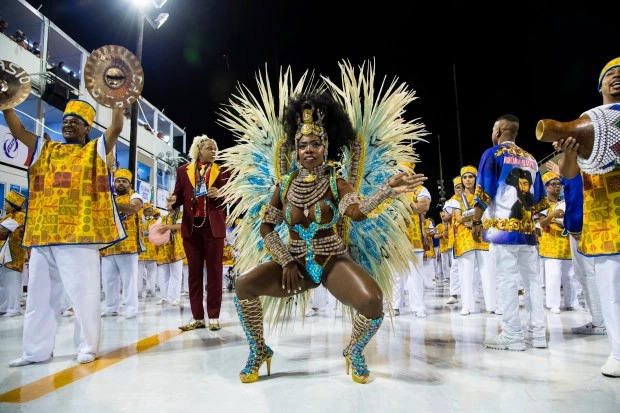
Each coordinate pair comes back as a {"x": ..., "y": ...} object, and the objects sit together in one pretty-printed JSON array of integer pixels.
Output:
[{"x": 308, "y": 187}]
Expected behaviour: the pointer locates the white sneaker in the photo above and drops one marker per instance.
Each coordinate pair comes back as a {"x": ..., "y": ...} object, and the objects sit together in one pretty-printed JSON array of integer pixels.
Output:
[
  {"x": 311, "y": 312},
  {"x": 501, "y": 342},
  {"x": 19, "y": 362},
  {"x": 109, "y": 314},
  {"x": 498, "y": 311},
  {"x": 611, "y": 368},
  {"x": 160, "y": 302},
  {"x": 130, "y": 316},
  {"x": 84, "y": 358},
  {"x": 452, "y": 300},
  {"x": 555, "y": 310},
  {"x": 589, "y": 329},
  {"x": 175, "y": 303},
  {"x": 11, "y": 314},
  {"x": 536, "y": 342},
  {"x": 464, "y": 312},
  {"x": 420, "y": 314}
]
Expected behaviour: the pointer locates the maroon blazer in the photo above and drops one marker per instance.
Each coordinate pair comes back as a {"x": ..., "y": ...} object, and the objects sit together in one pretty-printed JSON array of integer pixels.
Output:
[{"x": 184, "y": 192}]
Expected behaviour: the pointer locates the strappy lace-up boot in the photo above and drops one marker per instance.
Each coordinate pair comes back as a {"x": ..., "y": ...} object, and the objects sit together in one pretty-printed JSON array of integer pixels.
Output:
[
  {"x": 251, "y": 316},
  {"x": 363, "y": 330}
]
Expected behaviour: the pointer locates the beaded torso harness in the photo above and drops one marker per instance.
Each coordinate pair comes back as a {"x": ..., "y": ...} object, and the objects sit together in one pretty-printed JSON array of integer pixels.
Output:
[{"x": 309, "y": 246}]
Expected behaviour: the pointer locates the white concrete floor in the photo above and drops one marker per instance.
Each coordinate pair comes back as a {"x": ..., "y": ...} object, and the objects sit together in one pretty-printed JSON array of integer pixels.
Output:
[{"x": 436, "y": 364}]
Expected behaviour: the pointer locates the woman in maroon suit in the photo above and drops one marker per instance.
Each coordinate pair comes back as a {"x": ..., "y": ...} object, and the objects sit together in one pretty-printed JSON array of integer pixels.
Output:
[{"x": 203, "y": 228}]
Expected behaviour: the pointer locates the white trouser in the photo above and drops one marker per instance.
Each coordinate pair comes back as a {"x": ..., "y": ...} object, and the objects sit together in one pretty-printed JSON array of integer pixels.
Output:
[
  {"x": 510, "y": 262},
  {"x": 467, "y": 270},
  {"x": 584, "y": 272},
  {"x": 149, "y": 271},
  {"x": 319, "y": 297},
  {"x": 185, "y": 275},
  {"x": 428, "y": 269},
  {"x": 10, "y": 290},
  {"x": 455, "y": 279},
  {"x": 77, "y": 268},
  {"x": 446, "y": 262},
  {"x": 413, "y": 282},
  {"x": 120, "y": 273},
  {"x": 607, "y": 270},
  {"x": 559, "y": 278},
  {"x": 170, "y": 279}
]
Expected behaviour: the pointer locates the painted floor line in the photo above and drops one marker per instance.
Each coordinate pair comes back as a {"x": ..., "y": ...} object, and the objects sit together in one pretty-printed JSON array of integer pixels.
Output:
[{"x": 46, "y": 385}]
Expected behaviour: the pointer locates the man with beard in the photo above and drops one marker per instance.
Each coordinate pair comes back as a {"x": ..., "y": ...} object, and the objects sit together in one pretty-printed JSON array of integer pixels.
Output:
[{"x": 119, "y": 262}]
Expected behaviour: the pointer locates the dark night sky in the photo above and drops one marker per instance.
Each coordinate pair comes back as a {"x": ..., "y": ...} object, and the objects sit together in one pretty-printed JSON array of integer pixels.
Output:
[{"x": 522, "y": 61}]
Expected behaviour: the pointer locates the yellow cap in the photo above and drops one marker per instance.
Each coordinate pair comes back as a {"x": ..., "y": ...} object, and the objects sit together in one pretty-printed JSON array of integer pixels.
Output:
[
  {"x": 456, "y": 181},
  {"x": 16, "y": 199},
  {"x": 123, "y": 173},
  {"x": 469, "y": 169},
  {"x": 549, "y": 176},
  {"x": 147, "y": 205},
  {"x": 80, "y": 109},
  {"x": 612, "y": 63}
]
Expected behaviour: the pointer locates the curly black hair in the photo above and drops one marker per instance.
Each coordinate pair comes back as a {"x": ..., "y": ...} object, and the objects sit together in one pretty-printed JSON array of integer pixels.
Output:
[{"x": 340, "y": 132}]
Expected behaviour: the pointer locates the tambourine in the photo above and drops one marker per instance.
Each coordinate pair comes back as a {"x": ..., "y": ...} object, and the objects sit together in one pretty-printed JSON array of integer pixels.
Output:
[{"x": 156, "y": 236}]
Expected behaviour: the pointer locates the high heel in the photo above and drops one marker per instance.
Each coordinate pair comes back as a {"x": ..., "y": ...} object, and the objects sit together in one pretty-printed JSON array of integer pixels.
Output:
[
  {"x": 250, "y": 373},
  {"x": 363, "y": 330},
  {"x": 251, "y": 316}
]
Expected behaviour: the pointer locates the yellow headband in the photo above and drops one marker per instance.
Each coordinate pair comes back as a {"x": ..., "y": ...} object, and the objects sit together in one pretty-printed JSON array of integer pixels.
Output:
[
  {"x": 80, "y": 109},
  {"x": 147, "y": 205},
  {"x": 16, "y": 199},
  {"x": 456, "y": 181},
  {"x": 612, "y": 63},
  {"x": 549, "y": 176},
  {"x": 123, "y": 173},
  {"x": 469, "y": 169}
]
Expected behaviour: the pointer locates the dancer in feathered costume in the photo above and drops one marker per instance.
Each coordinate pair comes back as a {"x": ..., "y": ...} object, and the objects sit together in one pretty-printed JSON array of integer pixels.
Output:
[{"x": 301, "y": 212}]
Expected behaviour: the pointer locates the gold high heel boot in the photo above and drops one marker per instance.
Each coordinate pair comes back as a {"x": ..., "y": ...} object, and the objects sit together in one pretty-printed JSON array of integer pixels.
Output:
[
  {"x": 251, "y": 316},
  {"x": 363, "y": 330}
]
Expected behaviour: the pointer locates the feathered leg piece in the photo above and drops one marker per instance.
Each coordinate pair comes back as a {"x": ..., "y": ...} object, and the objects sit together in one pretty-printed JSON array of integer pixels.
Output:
[
  {"x": 363, "y": 330},
  {"x": 251, "y": 316}
]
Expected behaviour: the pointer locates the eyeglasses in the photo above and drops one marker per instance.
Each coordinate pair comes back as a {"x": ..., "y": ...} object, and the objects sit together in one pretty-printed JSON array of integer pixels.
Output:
[{"x": 554, "y": 184}]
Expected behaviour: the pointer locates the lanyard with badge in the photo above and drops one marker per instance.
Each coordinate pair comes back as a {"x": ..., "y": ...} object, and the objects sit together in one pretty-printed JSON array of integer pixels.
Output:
[{"x": 201, "y": 187}]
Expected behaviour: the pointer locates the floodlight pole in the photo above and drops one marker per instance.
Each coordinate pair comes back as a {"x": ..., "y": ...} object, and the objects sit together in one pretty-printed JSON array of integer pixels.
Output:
[{"x": 133, "y": 133}]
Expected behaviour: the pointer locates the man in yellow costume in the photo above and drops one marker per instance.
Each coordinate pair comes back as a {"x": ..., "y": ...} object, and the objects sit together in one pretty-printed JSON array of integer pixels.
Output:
[
  {"x": 554, "y": 248},
  {"x": 147, "y": 260},
  {"x": 12, "y": 254},
  {"x": 119, "y": 262},
  {"x": 600, "y": 235},
  {"x": 452, "y": 204},
  {"x": 71, "y": 215},
  {"x": 413, "y": 280}
]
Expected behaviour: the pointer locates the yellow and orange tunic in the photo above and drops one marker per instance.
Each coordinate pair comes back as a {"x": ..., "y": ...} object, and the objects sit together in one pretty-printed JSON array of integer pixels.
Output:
[
  {"x": 601, "y": 217},
  {"x": 554, "y": 241},
  {"x": 171, "y": 251},
  {"x": 414, "y": 229},
  {"x": 70, "y": 197},
  {"x": 463, "y": 239},
  {"x": 13, "y": 255},
  {"x": 150, "y": 250},
  {"x": 133, "y": 243}
]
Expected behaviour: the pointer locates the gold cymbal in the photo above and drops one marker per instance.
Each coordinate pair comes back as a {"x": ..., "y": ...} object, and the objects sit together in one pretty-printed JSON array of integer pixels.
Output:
[
  {"x": 113, "y": 76},
  {"x": 14, "y": 85}
]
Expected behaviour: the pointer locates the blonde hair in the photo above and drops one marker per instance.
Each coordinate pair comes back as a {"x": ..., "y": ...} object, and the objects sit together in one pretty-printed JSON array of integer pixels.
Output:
[{"x": 197, "y": 144}]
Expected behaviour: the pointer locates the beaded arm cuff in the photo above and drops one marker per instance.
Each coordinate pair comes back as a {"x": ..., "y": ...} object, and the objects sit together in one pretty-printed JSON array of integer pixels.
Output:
[
  {"x": 273, "y": 215},
  {"x": 277, "y": 249},
  {"x": 369, "y": 204},
  {"x": 348, "y": 200}
]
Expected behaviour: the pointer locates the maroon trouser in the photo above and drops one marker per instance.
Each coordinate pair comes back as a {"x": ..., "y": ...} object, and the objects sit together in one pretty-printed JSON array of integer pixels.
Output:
[{"x": 201, "y": 246}]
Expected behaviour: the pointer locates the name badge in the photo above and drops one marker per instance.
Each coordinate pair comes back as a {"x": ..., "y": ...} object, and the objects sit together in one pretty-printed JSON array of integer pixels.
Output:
[{"x": 202, "y": 190}]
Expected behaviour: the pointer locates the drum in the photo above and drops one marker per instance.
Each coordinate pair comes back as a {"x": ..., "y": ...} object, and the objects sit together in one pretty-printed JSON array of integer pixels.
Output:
[
  {"x": 597, "y": 133},
  {"x": 468, "y": 217},
  {"x": 156, "y": 237}
]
